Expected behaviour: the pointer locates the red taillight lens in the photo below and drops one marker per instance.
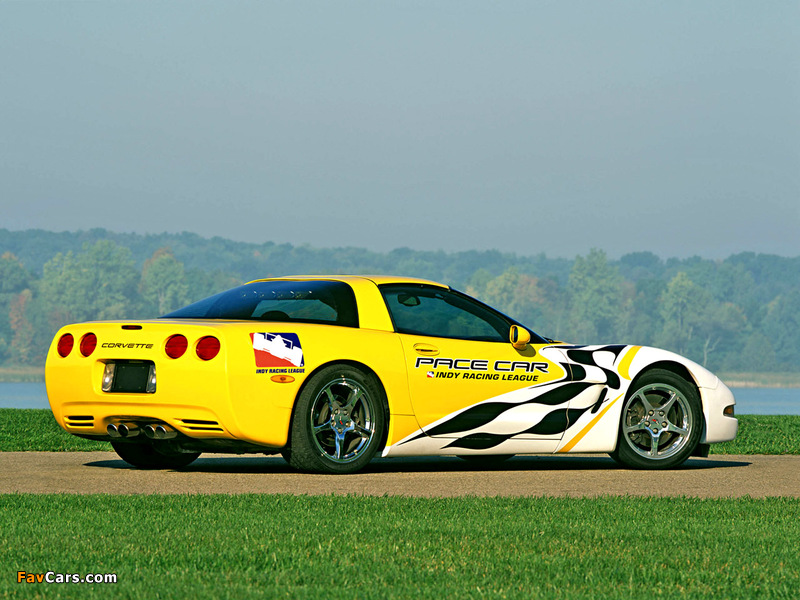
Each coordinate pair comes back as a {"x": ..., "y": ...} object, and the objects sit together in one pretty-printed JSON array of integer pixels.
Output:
[
  {"x": 65, "y": 345},
  {"x": 88, "y": 344},
  {"x": 176, "y": 346},
  {"x": 207, "y": 347}
]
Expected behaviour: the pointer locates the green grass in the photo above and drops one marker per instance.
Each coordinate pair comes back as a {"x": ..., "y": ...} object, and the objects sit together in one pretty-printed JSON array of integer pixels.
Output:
[
  {"x": 763, "y": 434},
  {"x": 32, "y": 429},
  {"x": 255, "y": 546},
  {"x": 35, "y": 429}
]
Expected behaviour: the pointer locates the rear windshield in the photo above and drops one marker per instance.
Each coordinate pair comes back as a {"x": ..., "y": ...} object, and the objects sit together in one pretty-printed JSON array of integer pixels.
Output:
[{"x": 326, "y": 302}]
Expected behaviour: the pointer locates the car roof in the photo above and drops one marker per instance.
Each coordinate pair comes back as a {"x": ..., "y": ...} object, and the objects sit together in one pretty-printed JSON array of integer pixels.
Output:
[{"x": 376, "y": 279}]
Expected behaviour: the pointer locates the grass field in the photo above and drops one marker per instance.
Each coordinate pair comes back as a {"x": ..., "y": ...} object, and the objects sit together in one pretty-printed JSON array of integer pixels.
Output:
[
  {"x": 35, "y": 429},
  {"x": 271, "y": 546},
  {"x": 358, "y": 547}
]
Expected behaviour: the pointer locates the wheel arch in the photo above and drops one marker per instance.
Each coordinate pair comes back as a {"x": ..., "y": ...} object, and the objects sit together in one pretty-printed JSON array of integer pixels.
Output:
[
  {"x": 678, "y": 369},
  {"x": 350, "y": 363}
]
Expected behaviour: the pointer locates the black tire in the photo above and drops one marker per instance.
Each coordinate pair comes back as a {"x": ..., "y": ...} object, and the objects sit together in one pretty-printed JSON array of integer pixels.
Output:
[
  {"x": 147, "y": 456},
  {"x": 661, "y": 422},
  {"x": 339, "y": 422}
]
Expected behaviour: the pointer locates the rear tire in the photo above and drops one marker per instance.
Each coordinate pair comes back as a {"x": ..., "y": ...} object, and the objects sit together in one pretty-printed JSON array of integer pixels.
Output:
[
  {"x": 661, "y": 422},
  {"x": 147, "y": 456},
  {"x": 339, "y": 422}
]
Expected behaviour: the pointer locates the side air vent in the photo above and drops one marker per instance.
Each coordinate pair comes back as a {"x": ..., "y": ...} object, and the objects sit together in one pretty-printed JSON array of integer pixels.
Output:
[
  {"x": 85, "y": 421},
  {"x": 200, "y": 425}
]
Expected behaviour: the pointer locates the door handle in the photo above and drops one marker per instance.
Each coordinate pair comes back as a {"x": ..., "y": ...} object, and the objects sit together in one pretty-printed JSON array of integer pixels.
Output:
[{"x": 426, "y": 349}]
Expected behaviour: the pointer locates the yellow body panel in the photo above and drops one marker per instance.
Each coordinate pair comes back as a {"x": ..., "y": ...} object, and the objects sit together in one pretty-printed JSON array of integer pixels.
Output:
[{"x": 243, "y": 400}]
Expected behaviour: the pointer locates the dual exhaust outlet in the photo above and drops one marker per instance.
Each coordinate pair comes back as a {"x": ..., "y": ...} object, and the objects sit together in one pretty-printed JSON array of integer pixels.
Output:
[{"x": 153, "y": 431}]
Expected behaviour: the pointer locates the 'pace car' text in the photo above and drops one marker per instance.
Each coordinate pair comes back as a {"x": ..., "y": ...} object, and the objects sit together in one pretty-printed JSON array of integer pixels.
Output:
[{"x": 466, "y": 364}]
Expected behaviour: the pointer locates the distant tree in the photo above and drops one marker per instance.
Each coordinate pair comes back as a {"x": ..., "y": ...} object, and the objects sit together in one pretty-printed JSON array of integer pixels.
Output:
[
  {"x": 99, "y": 283},
  {"x": 476, "y": 286},
  {"x": 782, "y": 326},
  {"x": 640, "y": 318},
  {"x": 683, "y": 305},
  {"x": 22, "y": 349},
  {"x": 14, "y": 279},
  {"x": 596, "y": 290},
  {"x": 720, "y": 323},
  {"x": 757, "y": 354},
  {"x": 13, "y": 276},
  {"x": 163, "y": 286},
  {"x": 516, "y": 295},
  {"x": 641, "y": 265}
]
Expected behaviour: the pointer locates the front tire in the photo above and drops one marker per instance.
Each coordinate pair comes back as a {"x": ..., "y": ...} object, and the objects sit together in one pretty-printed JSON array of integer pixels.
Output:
[
  {"x": 339, "y": 422},
  {"x": 146, "y": 456},
  {"x": 661, "y": 422}
]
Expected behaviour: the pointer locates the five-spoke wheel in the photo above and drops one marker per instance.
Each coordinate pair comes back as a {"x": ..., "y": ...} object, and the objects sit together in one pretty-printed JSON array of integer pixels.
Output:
[
  {"x": 661, "y": 422},
  {"x": 339, "y": 421}
]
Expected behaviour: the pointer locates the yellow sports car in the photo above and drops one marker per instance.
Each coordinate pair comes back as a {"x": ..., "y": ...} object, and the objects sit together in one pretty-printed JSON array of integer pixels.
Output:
[{"x": 330, "y": 371}]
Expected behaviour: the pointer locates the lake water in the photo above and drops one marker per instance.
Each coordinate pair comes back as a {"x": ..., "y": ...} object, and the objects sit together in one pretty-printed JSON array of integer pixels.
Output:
[{"x": 749, "y": 401}]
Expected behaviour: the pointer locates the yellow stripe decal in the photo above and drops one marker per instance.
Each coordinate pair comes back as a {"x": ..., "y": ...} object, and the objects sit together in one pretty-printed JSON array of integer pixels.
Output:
[
  {"x": 625, "y": 365},
  {"x": 571, "y": 444}
]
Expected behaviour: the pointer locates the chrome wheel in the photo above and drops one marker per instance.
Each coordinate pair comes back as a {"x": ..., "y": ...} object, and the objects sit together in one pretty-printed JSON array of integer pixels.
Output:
[
  {"x": 342, "y": 420},
  {"x": 657, "y": 421}
]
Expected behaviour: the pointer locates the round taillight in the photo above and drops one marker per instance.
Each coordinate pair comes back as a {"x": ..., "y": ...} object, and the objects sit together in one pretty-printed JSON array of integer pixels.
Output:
[
  {"x": 88, "y": 344},
  {"x": 176, "y": 346},
  {"x": 207, "y": 347},
  {"x": 65, "y": 344}
]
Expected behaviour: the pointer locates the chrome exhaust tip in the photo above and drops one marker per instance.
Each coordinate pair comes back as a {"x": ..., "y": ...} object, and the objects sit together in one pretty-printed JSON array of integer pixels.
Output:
[
  {"x": 128, "y": 430},
  {"x": 113, "y": 431},
  {"x": 165, "y": 432},
  {"x": 159, "y": 432}
]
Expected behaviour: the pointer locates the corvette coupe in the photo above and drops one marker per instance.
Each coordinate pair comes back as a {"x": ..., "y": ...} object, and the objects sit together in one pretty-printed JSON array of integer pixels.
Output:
[{"x": 331, "y": 371}]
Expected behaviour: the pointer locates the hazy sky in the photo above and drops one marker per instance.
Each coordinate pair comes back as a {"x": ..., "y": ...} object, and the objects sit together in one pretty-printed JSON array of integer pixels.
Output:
[{"x": 521, "y": 126}]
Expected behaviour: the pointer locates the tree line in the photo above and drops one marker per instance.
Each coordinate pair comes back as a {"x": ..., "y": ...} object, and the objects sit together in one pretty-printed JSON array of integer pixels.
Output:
[{"x": 737, "y": 314}]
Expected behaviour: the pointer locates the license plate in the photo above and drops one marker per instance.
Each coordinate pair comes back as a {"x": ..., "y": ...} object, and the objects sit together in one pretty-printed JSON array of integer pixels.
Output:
[{"x": 130, "y": 377}]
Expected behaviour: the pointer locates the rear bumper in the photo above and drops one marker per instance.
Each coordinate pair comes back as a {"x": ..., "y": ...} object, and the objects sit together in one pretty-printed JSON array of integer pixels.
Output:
[
  {"x": 197, "y": 404},
  {"x": 93, "y": 418}
]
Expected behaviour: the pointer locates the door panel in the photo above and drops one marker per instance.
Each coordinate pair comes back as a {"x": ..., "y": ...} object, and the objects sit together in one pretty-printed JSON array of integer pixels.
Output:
[{"x": 487, "y": 386}]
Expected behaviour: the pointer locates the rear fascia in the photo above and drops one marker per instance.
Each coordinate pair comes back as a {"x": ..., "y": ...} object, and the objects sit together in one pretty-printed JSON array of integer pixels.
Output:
[{"x": 188, "y": 389}]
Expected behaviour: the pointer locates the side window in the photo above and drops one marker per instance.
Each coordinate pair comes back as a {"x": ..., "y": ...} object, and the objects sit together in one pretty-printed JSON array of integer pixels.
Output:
[{"x": 438, "y": 312}]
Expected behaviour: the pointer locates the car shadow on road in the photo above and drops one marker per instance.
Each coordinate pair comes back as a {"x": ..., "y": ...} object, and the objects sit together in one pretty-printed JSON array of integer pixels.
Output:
[{"x": 427, "y": 464}]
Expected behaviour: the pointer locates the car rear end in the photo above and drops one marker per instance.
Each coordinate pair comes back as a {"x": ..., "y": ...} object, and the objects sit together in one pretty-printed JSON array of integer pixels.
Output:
[{"x": 160, "y": 379}]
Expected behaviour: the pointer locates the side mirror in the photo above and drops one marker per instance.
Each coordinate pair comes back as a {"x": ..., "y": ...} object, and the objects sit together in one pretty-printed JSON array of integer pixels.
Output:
[{"x": 519, "y": 337}]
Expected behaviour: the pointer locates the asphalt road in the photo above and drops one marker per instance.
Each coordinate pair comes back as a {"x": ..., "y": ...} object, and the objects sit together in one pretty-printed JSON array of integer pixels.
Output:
[{"x": 587, "y": 475}]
